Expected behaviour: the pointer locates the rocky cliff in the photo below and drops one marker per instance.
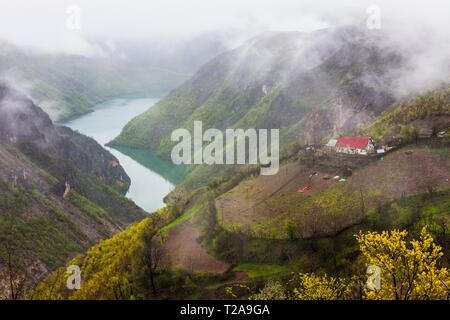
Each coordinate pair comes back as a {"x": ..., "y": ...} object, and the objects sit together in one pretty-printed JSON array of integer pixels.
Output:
[{"x": 60, "y": 193}]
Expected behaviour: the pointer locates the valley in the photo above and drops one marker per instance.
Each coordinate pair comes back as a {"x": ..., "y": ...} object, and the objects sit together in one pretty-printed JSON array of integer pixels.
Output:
[
  {"x": 152, "y": 178},
  {"x": 98, "y": 190},
  {"x": 70, "y": 85}
]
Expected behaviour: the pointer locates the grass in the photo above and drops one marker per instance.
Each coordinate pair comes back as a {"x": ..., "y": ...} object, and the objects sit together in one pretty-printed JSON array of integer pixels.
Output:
[
  {"x": 435, "y": 214},
  {"x": 266, "y": 271},
  {"x": 440, "y": 152},
  {"x": 90, "y": 208},
  {"x": 184, "y": 217}
]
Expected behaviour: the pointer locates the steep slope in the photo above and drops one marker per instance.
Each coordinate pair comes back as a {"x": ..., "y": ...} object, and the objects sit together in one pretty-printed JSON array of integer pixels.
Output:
[
  {"x": 69, "y": 85},
  {"x": 133, "y": 265},
  {"x": 275, "y": 81},
  {"x": 59, "y": 193},
  {"x": 113, "y": 273},
  {"x": 263, "y": 206},
  {"x": 265, "y": 224},
  {"x": 403, "y": 121},
  {"x": 107, "y": 269},
  {"x": 310, "y": 86}
]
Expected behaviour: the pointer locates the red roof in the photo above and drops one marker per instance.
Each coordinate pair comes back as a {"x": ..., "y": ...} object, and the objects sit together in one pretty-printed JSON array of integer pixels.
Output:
[{"x": 352, "y": 142}]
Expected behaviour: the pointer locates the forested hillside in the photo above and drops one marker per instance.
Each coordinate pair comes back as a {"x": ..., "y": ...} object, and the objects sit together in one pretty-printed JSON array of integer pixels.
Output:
[
  {"x": 281, "y": 244},
  {"x": 272, "y": 241},
  {"x": 311, "y": 230},
  {"x": 275, "y": 81},
  {"x": 311, "y": 86},
  {"x": 60, "y": 193},
  {"x": 407, "y": 118},
  {"x": 131, "y": 264}
]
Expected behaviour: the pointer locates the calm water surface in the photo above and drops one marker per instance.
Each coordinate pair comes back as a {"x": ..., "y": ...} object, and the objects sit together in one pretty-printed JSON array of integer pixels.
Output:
[{"x": 151, "y": 176}]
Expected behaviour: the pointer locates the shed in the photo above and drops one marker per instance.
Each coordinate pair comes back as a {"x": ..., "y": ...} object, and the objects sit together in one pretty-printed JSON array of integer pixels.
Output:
[{"x": 331, "y": 143}]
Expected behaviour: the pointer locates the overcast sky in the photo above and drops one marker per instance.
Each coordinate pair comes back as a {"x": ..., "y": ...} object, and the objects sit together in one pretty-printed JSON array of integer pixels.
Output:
[{"x": 43, "y": 23}]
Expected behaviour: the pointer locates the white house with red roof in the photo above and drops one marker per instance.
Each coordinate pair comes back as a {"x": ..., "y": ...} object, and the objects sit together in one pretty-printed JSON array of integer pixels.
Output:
[{"x": 352, "y": 145}]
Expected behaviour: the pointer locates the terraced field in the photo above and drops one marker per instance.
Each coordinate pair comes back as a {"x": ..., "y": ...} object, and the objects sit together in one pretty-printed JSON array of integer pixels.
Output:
[
  {"x": 263, "y": 206},
  {"x": 182, "y": 246}
]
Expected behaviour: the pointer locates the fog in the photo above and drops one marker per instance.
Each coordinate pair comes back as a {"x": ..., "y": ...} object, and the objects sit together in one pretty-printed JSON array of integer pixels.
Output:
[
  {"x": 43, "y": 23},
  {"x": 157, "y": 30}
]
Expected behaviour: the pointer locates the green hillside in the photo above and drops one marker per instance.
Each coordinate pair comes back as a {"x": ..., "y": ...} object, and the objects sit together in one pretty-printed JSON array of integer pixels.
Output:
[
  {"x": 256, "y": 228},
  {"x": 114, "y": 269},
  {"x": 266, "y": 230},
  {"x": 269, "y": 82},
  {"x": 300, "y": 83},
  {"x": 128, "y": 267},
  {"x": 406, "y": 118}
]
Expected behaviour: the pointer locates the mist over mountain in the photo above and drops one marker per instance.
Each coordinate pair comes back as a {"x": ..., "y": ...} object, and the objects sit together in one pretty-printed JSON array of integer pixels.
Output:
[
  {"x": 312, "y": 86},
  {"x": 68, "y": 85},
  {"x": 183, "y": 56},
  {"x": 373, "y": 78},
  {"x": 274, "y": 81},
  {"x": 59, "y": 190}
]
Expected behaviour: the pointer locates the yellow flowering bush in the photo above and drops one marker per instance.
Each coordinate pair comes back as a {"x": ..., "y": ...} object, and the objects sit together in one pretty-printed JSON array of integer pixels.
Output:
[{"x": 408, "y": 270}]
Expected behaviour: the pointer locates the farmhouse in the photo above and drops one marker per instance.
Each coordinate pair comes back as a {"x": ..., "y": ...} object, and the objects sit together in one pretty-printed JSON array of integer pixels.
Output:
[{"x": 351, "y": 145}]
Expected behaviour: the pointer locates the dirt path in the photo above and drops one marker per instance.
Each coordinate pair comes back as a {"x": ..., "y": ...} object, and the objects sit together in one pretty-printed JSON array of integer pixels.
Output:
[
  {"x": 183, "y": 248},
  {"x": 240, "y": 276}
]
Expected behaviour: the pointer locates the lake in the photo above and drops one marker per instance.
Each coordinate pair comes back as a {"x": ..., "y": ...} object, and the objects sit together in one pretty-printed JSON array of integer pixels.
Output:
[{"x": 152, "y": 177}]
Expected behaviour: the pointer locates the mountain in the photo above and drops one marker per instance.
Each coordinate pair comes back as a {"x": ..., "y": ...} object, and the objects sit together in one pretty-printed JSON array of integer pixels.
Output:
[
  {"x": 261, "y": 225},
  {"x": 266, "y": 229},
  {"x": 309, "y": 85},
  {"x": 60, "y": 193},
  {"x": 275, "y": 81},
  {"x": 69, "y": 85}
]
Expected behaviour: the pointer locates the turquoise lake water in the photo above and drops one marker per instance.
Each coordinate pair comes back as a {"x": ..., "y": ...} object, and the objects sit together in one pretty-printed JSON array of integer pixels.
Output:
[{"x": 152, "y": 177}]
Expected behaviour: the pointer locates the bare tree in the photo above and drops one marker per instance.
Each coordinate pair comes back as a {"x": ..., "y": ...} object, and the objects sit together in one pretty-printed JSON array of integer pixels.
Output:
[
  {"x": 151, "y": 257},
  {"x": 14, "y": 270},
  {"x": 12, "y": 258}
]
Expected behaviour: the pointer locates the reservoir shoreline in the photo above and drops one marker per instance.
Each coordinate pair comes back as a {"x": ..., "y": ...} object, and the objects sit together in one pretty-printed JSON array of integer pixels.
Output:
[{"x": 152, "y": 177}]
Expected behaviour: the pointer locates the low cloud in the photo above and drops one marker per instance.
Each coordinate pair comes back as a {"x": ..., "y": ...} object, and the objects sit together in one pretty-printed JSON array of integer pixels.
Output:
[
  {"x": 420, "y": 29},
  {"x": 12, "y": 78}
]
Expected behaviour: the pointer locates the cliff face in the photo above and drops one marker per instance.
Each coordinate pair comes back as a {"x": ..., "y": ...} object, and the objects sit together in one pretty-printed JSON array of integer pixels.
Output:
[
  {"x": 56, "y": 148},
  {"x": 59, "y": 193},
  {"x": 351, "y": 109}
]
